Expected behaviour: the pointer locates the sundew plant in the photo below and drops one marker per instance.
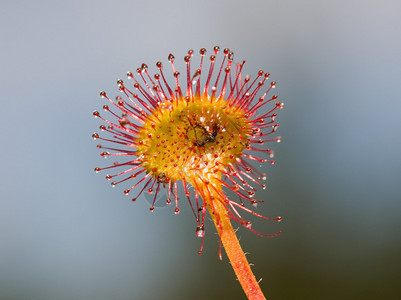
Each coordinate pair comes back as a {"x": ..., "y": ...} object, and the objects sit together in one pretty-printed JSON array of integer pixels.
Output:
[{"x": 207, "y": 134}]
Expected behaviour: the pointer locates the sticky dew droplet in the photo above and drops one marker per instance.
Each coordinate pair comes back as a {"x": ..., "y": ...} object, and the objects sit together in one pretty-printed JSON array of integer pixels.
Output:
[
  {"x": 105, "y": 154},
  {"x": 251, "y": 194},
  {"x": 200, "y": 231}
]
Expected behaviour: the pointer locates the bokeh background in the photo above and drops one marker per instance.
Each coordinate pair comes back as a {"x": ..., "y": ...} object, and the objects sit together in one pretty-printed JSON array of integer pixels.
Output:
[{"x": 66, "y": 234}]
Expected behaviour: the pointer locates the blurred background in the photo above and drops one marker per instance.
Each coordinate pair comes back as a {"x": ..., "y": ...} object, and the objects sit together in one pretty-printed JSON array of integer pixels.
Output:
[{"x": 66, "y": 234}]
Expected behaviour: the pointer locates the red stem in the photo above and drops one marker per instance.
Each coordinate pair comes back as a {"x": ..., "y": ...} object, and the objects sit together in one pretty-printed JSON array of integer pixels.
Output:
[{"x": 218, "y": 211}]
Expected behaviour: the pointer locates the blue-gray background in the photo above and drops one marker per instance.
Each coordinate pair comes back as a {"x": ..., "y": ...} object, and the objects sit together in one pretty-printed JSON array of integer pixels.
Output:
[{"x": 66, "y": 234}]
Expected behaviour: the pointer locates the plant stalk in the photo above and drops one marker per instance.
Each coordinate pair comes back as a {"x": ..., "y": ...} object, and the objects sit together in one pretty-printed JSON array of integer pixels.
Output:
[{"x": 218, "y": 211}]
